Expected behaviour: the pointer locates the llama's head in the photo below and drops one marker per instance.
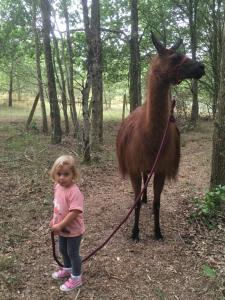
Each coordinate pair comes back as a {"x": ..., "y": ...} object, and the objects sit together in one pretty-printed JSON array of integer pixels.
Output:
[{"x": 174, "y": 67}]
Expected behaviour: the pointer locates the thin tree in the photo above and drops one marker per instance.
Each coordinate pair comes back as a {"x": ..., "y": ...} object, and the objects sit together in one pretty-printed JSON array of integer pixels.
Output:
[
  {"x": 135, "y": 74},
  {"x": 87, "y": 86},
  {"x": 70, "y": 69},
  {"x": 10, "y": 92},
  {"x": 54, "y": 106},
  {"x": 214, "y": 22},
  {"x": 218, "y": 153},
  {"x": 61, "y": 82},
  {"x": 38, "y": 68},
  {"x": 190, "y": 8},
  {"x": 96, "y": 76},
  {"x": 31, "y": 114}
]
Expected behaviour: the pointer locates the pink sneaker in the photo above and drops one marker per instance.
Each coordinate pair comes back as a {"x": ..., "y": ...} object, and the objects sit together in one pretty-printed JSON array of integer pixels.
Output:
[
  {"x": 71, "y": 284},
  {"x": 62, "y": 273}
]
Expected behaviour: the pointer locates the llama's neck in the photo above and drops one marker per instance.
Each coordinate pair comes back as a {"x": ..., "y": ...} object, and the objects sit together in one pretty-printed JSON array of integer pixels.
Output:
[{"x": 157, "y": 103}]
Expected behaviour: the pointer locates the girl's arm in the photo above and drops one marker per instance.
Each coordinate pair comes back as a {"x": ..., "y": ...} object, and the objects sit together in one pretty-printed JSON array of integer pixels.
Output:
[
  {"x": 66, "y": 221},
  {"x": 51, "y": 223},
  {"x": 72, "y": 215}
]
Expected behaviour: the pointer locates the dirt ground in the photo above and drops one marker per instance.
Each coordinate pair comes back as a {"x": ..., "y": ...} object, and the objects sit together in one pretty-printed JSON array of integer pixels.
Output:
[{"x": 169, "y": 269}]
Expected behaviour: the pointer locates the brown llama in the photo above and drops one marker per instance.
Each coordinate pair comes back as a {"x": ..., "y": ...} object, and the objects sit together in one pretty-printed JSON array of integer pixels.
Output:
[{"x": 141, "y": 133}]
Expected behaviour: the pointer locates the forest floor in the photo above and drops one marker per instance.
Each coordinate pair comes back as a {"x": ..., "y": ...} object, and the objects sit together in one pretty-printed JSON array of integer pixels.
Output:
[{"x": 175, "y": 268}]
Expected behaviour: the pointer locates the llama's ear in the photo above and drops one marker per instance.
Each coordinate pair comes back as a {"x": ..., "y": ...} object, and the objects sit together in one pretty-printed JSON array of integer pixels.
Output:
[
  {"x": 159, "y": 46},
  {"x": 177, "y": 44}
]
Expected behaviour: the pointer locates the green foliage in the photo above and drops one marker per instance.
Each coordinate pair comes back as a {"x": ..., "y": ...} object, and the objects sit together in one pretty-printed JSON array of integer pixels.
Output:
[
  {"x": 6, "y": 262},
  {"x": 168, "y": 19},
  {"x": 34, "y": 126},
  {"x": 209, "y": 209},
  {"x": 160, "y": 294},
  {"x": 209, "y": 271}
]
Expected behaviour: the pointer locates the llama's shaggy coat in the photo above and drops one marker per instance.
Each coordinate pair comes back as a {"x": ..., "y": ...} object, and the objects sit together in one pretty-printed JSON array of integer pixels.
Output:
[{"x": 141, "y": 133}]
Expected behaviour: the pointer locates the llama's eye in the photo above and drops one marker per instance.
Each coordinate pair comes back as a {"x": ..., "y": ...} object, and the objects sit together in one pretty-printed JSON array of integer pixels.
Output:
[{"x": 175, "y": 58}]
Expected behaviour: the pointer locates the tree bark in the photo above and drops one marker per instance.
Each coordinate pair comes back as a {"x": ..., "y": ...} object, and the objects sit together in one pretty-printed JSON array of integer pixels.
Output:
[
  {"x": 193, "y": 9},
  {"x": 38, "y": 68},
  {"x": 32, "y": 111},
  {"x": 124, "y": 105},
  {"x": 86, "y": 89},
  {"x": 10, "y": 86},
  {"x": 62, "y": 84},
  {"x": 218, "y": 153},
  {"x": 54, "y": 106},
  {"x": 19, "y": 89},
  {"x": 86, "y": 120},
  {"x": 215, "y": 49},
  {"x": 135, "y": 74},
  {"x": 195, "y": 106},
  {"x": 96, "y": 77},
  {"x": 71, "y": 71}
]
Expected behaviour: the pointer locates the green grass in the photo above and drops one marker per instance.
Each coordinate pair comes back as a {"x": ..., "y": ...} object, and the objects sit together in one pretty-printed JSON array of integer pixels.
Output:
[
  {"x": 6, "y": 262},
  {"x": 18, "y": 111},
  {"x": 19, "y": 145},
  {"x": 21, "y": 110},
  {"x": 209, "y": 272},
  {"x": 20, "y": 148}
]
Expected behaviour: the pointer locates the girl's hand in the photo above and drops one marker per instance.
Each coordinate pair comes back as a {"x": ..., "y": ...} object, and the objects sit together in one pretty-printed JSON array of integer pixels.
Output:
[{"x": 56, "y": 228}]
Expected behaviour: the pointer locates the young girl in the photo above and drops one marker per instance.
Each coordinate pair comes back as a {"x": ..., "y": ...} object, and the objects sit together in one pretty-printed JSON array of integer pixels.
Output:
[{"x": 67, "y": 220}]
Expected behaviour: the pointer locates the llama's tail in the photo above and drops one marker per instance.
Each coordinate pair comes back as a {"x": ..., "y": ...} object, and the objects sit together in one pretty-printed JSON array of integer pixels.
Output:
[
  {"x": 172, "y": 172},
  {"x": 120, "y": 151}
]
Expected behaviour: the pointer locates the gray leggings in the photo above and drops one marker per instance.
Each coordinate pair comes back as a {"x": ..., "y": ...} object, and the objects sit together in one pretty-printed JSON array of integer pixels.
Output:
[{"x": 69, "y": 247}]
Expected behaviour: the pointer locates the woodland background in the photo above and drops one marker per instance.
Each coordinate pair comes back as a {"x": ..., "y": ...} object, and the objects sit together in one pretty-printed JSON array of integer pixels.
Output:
[
  {"x": 70, "y": 71},
  {"x": 81, "y": 58}
]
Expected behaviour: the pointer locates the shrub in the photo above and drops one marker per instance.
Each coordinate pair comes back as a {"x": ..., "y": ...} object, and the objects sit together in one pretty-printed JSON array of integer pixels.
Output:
[{"x": 209, "y": 209}]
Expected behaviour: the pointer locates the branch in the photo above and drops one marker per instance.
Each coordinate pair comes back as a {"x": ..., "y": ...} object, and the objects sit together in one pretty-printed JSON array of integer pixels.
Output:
[{"x": 117, "y": 32}]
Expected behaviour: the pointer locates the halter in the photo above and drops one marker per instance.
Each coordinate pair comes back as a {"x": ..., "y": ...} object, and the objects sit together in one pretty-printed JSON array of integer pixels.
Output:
[{"x": 176, "y": 69}]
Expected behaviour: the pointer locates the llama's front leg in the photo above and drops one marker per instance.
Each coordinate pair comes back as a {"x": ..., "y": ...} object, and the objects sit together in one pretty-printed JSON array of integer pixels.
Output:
[
  {"x": 159, "y": 180},
  {"x": 144, "y": 196},
  {"x": 136, "y": 184}
]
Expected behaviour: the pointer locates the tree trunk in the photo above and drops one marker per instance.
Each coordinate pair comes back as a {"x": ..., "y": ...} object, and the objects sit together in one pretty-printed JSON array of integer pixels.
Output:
[
  {"x": 86, "y": 89},
  {"x": 195, "y": 108},
  {"x": 38, "y": 69},
  {"x": 11, "y": 86},
  {"x": 193, "y": 9},
  {"x": 67, "y": 80},
  {"x": 135, "y": 74},
  {"x": 32, "y": 111},
  {"x": 70, "y": 75},
  {"x": 215, "y": 49},
  {"x": 124, "y": 105},
  {"x": 19, "y": 90},
  {"x": 54, "y": 106},
  {"x": 218, "y": 154},
  {"x": 62, "y": 84},
  {"x": 86, "y": 132},
  {"x": 96, "y": 77}
]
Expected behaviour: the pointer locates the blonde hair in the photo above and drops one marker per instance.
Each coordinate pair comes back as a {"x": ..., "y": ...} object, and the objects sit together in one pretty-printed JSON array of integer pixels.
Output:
[{"x": 62, "y": 161}]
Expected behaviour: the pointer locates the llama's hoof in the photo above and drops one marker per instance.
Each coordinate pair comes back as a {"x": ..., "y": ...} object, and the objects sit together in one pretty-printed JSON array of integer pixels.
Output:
[
  {"x": 135, "y": 237},
  {"x": 158, "y": 236},
  {"x": 143, "y": 200}
]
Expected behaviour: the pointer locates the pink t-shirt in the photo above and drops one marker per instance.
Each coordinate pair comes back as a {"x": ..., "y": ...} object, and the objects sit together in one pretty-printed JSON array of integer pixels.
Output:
[{"x": 65, "y": 200}]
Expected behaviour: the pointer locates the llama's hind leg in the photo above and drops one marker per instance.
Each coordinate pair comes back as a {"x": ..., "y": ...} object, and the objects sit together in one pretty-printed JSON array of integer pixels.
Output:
[
  {"x": 144, "y": 196},
  {"x": 159, "y": 180},
  {"x": 136, "y": 184}
]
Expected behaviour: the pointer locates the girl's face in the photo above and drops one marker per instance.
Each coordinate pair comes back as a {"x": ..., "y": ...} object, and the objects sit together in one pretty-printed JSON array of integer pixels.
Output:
[{"x": 64, "y": 176}]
